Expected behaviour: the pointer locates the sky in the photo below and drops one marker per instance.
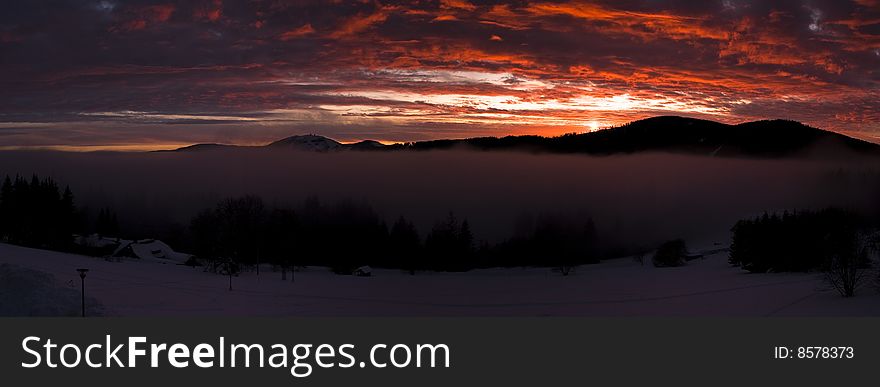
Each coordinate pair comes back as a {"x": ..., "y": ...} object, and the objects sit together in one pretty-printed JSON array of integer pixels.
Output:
[{"x": 136, "y": 75}]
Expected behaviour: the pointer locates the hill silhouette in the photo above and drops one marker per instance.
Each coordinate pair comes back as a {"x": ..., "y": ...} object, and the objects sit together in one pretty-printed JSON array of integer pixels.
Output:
[
  {"x": 671, "y": 134},
  {"x": 311, "y": 142}
]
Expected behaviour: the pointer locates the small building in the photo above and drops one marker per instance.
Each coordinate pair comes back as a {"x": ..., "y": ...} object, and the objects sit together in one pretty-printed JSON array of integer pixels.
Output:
[
  {"x": 151, "y": 250},
  {"x": 95, "y": 244},
  {"x": 363, "y": 271}
]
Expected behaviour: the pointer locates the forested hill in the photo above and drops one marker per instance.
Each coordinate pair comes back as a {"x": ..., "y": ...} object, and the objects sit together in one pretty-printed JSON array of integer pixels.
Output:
[{"x": 671, "y": 134}]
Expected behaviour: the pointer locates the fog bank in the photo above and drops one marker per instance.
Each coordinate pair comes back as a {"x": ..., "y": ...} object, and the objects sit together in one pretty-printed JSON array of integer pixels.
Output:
[{"x": 634, "y": 199}]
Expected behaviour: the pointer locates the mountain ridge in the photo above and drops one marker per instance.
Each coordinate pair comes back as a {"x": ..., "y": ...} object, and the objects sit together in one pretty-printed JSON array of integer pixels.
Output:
[{"x": 671, "y": 134}]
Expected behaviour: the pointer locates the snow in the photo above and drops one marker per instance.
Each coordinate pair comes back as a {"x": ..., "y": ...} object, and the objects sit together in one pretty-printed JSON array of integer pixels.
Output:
[
  {"x": 622, "y": 287},
  {"x": 146, "y": 249},
  {"x": 26, "y": 292},
  {"x": 96, "y": 240},
  {"x": 150, "y": 249}
]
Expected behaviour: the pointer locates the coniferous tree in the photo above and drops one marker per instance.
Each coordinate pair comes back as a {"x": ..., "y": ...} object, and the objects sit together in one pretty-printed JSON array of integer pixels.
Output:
[
  {"x": 36, "y": 213},
  {"x": 240, "y": 228},
  {"x": 405, "y": 246},
  {"x": 449, "y": 245},
  {"x": 282, "y": 240},
  {"x": 107, "y": 223},
  {"x": 796, "y": 241},
  {"x": 6, "y": 207},
  {"x": 205, "y": 231}
]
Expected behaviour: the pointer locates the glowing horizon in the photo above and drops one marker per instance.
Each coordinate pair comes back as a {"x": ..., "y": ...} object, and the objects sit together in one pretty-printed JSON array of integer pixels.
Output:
[{"x": 141, "y": 74}]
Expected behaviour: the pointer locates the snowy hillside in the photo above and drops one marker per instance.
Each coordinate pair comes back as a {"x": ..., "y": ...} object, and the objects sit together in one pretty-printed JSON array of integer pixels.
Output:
[
  {"x": 27, "y": 292},
  {"x": 622, "y": 287},
  {"x": 308, "y": 142}
]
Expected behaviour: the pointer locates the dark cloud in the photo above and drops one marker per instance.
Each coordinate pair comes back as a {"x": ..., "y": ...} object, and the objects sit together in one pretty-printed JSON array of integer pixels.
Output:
[{"x": 423, "y": 69}]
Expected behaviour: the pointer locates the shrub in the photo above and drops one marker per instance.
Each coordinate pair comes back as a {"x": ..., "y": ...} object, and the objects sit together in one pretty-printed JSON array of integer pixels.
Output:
[{"x": 670, "y": 254}]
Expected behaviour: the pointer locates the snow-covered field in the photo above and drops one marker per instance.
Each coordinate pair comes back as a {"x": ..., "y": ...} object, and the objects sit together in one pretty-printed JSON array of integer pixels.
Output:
[{"x": 621, "y": 287}]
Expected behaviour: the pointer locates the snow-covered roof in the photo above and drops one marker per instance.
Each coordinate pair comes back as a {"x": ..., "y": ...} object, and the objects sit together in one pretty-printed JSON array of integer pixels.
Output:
[
  {"x": 149, "y": 249},
  {"x": 95, "y": 240},
  {"x": 363, "y": 270}
]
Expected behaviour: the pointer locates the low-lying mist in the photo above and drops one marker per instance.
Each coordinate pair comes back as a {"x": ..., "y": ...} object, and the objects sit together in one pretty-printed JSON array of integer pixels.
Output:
[{"x": 634, "y": 200}]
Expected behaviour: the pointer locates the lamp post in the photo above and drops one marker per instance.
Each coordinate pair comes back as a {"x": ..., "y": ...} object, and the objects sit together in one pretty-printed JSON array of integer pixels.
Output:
[{"x": 82, "y": 277}]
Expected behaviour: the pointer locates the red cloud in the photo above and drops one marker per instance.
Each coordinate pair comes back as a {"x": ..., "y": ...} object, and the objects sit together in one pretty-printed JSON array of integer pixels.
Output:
[
  {"x": 142, "y": 18},
  {"x": 399, "y": 62},
  {"x": 458, "y": 4},
  {"x": 211, "y": 11},
  {"x": 362, "y": 22},
  {"x": 297, "y": 32}
]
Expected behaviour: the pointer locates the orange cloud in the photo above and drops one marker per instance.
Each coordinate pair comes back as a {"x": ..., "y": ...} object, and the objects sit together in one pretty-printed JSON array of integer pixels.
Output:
[
  {"x": 445, "y": 17},
  {"x": 503, "y": 16},
  {"x": 562, "y": 65},
  {"x": 647, "y": 26},
  {"x": 756, "y": 43},
  {"x": 458, "y": 4},
  {"x": 362, "y": 22},
  {"x": 297, "y": 32}
]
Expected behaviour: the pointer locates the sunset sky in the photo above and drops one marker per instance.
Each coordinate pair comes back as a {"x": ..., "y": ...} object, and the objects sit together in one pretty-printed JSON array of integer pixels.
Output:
[{"x": 156, "y": 74}]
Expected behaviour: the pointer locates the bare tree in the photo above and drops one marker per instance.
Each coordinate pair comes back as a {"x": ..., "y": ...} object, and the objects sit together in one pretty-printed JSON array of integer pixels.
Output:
[
  {"x": 640, "y": 258},
  {"x": 848, "y": 267},
  {"x": 230, "y": 268}
]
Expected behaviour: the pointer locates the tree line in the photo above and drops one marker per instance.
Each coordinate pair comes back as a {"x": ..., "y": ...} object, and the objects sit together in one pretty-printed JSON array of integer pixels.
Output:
[
  {"x": 836, "y": 242},
  {"x": 796, "y": 241},
  {"x": 243, "y": 232},
  {"x": 349, "y": 234},
  {"x": 37, "y": 212}
]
